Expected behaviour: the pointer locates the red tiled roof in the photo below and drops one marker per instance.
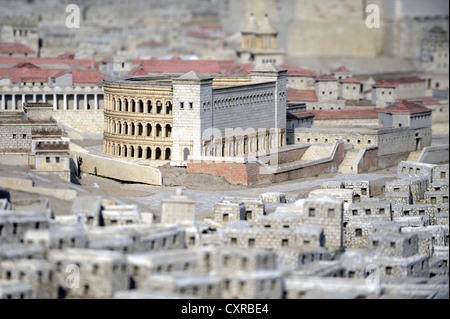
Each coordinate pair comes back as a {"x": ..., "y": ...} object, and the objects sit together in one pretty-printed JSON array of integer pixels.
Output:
[
  {"x": 426, "y": 100},
  {"x": 299, "y": 115},
  {"x": 138, "y": 70},
  {"x": 11, "y": 47},
  {"x": 66, "y": 56},
  {"x": 404, "y": 106},
  {"x": 87, "y": 77},
  {"x": 85, "y": 63},
  {"x": 211, "y": 26},
  {"x": 342, "y": 69},
  {"x": 151, "y": 44},
  {"x": 27, "y": 75},
  {"x": 198, "y": 34},
  {"x": 244, "y": 68},
  {"x": 326, "y": 77},
  {"x": 366, "y": 113},
  {"x": 411, "y": 79},
  {"x": 350, "y": 80},
  {"x": 301, "y": 95},
  {"x": 41, "y": 75},
  {"x": 177, "y": 65},
  {"x": 60, "y": 73},
  {"x": 26, "y": 65},
  {"x": 294, "y": 71},
  {"x": 384, "y": 84}
]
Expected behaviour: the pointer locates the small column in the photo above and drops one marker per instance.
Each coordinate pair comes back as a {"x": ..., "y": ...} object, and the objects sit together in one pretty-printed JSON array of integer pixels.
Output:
[
  {"x": 95, "y": 102},
  {"x": 85, "y": 102},
  {"x": 55, "y": 103},
  {"x": 144, "y": 152},
  {"x": 153, "y": 131},
  {"x": 43, "y": 98},
  {"x": 75, "y": 102},
  {"x": 34, "y": 98},
  {"x": 163, "y": 131},
  {"x": 13, "y": 101},
  {"x": 65, "y": 101},
  {"x": 145, "y": 129},
  {"x": 3, "y": 102},
  {"x": 129, "y": 129}
]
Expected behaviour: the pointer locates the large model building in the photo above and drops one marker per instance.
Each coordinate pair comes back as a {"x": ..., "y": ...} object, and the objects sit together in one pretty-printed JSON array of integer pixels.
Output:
[{"x": 173, "y": 117}]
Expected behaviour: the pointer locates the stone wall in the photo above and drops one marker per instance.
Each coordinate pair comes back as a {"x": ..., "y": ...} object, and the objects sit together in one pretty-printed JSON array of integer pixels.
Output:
[
  {"x": 103, "y": 166},
  {"x": 435, "y": 154},
  {"x": 367, "y": 160},
  {"x": 257, "y": 173},
  {"x": 346, "y": 122},
  {"x": 88, "y": 121}
]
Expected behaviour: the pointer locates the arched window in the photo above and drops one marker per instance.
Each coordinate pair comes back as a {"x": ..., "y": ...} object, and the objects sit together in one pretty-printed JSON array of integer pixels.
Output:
[
  {"x": 168, "y": 130},
  {"x": 169, "y": 107},
  {"x": 149, "y": 129},
  {"x": 186, "y": 154},
  {"x": 158, "y": 130},
  {"x": 158, "y": 153},
  {"x": 149, "y": 107},
  {"x": 158, "y": 107},
  {"x": 167, "y": 154},
  {"x": 141, "y": 106}
]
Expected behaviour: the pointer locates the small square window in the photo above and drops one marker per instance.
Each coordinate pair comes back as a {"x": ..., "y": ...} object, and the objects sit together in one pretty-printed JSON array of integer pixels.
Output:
[
  {"x": 57, "y": 159},
  {"x": 358, "y": 232},
  {"x": 24, "y": 135},
  {"x": 191, "y": 105},
  {"x": 312, "y": 212},
  {"x": 47, "y": 159},
  {"x": 14, "y": 135},
  {"x": 181, "y": 105}
]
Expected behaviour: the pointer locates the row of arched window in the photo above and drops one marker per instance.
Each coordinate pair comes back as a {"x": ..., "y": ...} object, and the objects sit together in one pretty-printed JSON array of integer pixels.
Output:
[
  {"x": 240, "y": 100},
  {"x": 143, "y": 152},
  {"x": 139, "y": 106},
  {"x": 138, "y": 129}
]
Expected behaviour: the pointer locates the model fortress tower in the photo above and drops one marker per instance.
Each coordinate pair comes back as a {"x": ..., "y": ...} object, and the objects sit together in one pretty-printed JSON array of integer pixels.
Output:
[
  {"x": 228, "y": 121},
  {"x": 259, "y": 43}
]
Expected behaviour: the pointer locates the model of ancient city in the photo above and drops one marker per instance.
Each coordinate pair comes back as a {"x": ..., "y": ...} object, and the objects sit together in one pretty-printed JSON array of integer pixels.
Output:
[{"x": 224, "y": 149}]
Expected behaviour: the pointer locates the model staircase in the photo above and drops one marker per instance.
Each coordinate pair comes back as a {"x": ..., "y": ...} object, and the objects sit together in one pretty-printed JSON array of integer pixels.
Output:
[
  {"x": 414, "y": 156},
  {"x": 346, "y": 166}
]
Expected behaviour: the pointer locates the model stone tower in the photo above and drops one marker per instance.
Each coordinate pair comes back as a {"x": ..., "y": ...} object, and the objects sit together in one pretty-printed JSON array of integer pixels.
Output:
[{"x": 192, "y": 114}]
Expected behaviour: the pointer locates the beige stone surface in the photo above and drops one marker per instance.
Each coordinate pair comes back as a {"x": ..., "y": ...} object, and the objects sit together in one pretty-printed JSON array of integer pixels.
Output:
[{"x": 111, "y": 168}]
